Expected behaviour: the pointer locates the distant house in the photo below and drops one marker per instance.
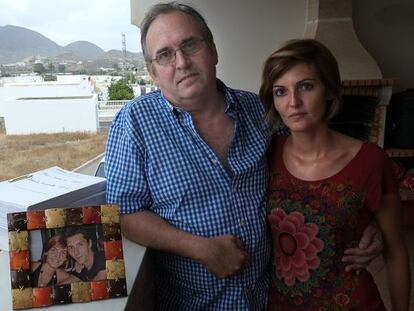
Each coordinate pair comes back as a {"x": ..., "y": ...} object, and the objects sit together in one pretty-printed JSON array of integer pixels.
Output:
[{"x": 29, "y": 105}]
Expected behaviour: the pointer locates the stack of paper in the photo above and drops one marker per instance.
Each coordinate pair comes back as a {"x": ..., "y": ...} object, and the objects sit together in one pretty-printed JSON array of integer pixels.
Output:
[{"x": 50, "y": 188}]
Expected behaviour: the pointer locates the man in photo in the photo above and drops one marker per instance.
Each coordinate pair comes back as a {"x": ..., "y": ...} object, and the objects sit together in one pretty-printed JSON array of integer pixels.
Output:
[{"x": 87, "y": 263}]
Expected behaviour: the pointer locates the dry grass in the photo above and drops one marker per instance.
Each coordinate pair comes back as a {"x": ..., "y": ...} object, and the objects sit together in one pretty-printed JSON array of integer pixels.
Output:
[{"x": 23, "y": 154}]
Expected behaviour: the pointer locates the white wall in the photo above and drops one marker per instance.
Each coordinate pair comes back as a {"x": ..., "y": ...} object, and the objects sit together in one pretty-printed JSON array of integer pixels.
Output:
[
  {"x": 386, "y": 29},
  {"x": 49, "y": 116},
  {"x": 247, "y": 31},
  {"x": 57, "y": 108}
]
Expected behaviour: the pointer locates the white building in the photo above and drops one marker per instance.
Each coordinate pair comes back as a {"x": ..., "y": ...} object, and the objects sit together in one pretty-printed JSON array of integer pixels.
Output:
[{"x": 29, "y": 105}]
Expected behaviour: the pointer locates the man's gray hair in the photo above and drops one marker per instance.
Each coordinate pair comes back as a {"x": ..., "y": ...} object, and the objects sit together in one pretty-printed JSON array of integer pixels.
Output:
[{"x": 164, "y": 8}]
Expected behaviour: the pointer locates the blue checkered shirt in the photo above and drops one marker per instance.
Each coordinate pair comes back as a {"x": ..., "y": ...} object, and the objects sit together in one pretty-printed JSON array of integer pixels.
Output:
[{"x": 156, "y": 160}]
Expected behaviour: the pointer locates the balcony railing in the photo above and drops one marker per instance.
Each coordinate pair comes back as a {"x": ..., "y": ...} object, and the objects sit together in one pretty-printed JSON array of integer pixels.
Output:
[{"x": 106, "y": 111}]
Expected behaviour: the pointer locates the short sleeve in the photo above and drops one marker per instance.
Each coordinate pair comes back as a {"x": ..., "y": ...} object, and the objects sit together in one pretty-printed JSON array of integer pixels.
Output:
[
  {"x": 125, "y": 167},
  {"x": 382, "y": 179}
]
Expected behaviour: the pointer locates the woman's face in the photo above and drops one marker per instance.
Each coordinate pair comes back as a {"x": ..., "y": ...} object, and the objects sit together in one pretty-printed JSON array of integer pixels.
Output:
[
  {"x": 56, "y": 256},
  {"x": 299, "y": 97}
]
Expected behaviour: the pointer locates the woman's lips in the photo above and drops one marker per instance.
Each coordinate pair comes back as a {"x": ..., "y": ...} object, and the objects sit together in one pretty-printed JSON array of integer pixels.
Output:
[{"x": 297, "y": 115}]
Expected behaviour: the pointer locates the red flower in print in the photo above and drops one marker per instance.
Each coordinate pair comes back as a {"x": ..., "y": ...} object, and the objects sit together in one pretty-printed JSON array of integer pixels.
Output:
[{"x": 295, "y": 246}]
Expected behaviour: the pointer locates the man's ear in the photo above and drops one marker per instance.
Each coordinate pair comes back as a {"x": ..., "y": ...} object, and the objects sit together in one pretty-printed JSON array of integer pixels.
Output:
[
  {"x": 214, "y": 51},
  {"x": 153, "y": 73}
]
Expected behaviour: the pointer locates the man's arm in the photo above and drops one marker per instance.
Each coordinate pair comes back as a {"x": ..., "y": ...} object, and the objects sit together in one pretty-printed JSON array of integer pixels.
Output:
[{"x": 222, "y": 256}]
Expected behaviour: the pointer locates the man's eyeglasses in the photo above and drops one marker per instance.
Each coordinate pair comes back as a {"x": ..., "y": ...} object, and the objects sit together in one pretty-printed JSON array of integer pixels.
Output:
[{"x": 189, "y": 47}]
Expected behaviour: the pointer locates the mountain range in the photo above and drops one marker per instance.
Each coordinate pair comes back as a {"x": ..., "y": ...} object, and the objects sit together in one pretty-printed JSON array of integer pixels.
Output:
[{"x": 19, "y": 43}]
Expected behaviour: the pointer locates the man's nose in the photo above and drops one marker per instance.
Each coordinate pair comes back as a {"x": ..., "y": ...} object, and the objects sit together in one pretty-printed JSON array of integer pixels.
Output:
[{"x": 181, "y": 60}]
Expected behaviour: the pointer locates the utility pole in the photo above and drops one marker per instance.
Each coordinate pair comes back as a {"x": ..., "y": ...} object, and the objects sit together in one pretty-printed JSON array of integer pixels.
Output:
[{"x": 124, "y": 63}]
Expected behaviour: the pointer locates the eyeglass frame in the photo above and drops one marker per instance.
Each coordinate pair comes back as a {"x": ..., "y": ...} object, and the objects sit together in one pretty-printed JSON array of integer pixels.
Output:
[{"x": 180, "y": 48}]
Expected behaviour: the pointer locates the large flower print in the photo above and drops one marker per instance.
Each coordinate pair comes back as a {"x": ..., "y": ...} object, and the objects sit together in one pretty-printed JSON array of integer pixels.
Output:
[{"x": 296, "y": 246}]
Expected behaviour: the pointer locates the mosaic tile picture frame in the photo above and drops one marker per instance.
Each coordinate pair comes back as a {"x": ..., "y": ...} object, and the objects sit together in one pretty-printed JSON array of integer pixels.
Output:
[{"x": 65, "y": 255}]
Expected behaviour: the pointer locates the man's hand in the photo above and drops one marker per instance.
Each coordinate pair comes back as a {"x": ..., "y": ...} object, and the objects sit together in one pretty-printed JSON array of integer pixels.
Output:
[
  {"x": 370, "y": 246},
  {"x": 224, "y": 255}
]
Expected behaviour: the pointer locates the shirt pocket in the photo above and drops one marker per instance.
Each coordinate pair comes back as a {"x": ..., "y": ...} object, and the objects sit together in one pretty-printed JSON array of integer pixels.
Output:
[{"x": 168, "y": 184}]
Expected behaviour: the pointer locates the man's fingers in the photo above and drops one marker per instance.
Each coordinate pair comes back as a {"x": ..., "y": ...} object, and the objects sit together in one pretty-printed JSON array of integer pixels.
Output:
[
  {"x": 238, "y": 243},
  {"x": 356, "y": 252},
  {"x": 358, "y": 260},
  {"x": 229, "y": 256},
  {"x": 374, "y": 249},
  {"x": 245, "y": 256},
  {"x": 372, "y": 234},
  {"x": 367, "y": 236},
  {"x": 354, "y": 267}
]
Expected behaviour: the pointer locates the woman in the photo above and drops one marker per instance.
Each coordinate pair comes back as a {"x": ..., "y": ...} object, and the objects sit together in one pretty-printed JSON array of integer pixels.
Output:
[
  {"x": 50, "y": 270},
  {"x": 325, "y": 188}
]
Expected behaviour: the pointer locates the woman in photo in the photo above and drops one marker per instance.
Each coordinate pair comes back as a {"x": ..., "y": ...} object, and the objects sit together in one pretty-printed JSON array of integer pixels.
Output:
[
  {"x": 51, "y": 269},
  {"x": 325, "y": 188}
]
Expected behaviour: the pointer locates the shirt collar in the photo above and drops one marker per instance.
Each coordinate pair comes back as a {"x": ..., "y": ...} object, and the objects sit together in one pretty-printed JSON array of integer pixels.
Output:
[{"x": 231, "y": 102}]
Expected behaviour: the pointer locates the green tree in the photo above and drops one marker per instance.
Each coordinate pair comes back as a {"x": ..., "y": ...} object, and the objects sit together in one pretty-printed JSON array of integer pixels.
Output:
[
  {"x": 120, "y": 90},
  {"x": 39, "y": 68}
]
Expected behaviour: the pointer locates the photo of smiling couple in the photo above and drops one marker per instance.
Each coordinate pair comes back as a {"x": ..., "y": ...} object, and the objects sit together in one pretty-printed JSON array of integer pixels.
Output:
[{"x": 70, "y": 255}]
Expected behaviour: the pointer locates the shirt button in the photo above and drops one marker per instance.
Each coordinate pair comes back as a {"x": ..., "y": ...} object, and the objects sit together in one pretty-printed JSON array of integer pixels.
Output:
[
  {"x": 241, "y": 223},
  {"x": 215, "y": 161}
]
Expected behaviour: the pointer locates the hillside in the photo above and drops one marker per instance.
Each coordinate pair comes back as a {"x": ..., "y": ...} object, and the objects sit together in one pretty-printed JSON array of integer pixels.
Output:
[
  {"x": 84, "y": 49},
  {"x": 18, "y": 43},
  {"x": 21, "y": 48}
]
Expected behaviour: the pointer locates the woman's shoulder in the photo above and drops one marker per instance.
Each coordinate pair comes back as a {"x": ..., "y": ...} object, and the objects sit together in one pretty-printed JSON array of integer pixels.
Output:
[
  {"x": 346, "y": 142},
  {"x": 367, "y": 152}
]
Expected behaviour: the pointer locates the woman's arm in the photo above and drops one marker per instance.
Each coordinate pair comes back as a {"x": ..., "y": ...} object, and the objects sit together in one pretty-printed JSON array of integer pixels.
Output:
[{"x": 395, "y": 251}]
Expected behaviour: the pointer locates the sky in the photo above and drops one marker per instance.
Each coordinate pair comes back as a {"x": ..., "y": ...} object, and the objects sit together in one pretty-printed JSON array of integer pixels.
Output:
[{"x": 101, "y": 22}]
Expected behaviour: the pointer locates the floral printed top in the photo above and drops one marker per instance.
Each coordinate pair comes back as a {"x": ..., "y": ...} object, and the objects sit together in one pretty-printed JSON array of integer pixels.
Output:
[{"x": 313, "y": 222}]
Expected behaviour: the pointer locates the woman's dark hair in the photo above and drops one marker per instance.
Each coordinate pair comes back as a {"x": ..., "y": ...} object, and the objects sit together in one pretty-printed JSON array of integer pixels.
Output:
[
  {"x": 164, "y": 8},
  {"x": 297, "y": 51}
]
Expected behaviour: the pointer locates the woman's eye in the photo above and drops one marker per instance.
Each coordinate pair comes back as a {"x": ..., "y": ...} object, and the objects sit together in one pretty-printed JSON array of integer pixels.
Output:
[
  {"x": 306, "y": 86},
  {"x": 279, "y": 92}
]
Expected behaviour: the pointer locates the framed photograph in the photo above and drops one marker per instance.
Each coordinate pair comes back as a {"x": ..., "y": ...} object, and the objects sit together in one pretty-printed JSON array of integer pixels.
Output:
[{"x": 65, "y": 255}]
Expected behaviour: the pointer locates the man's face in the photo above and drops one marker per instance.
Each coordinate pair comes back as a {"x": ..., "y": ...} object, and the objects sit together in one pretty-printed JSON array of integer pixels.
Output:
[
  {"x": 78, "y": 248},
  {"x": 188, "y": 77}
]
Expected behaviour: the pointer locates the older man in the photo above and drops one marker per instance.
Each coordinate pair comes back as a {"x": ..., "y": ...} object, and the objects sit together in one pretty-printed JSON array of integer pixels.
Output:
[{"x": 187, "y": 166}]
